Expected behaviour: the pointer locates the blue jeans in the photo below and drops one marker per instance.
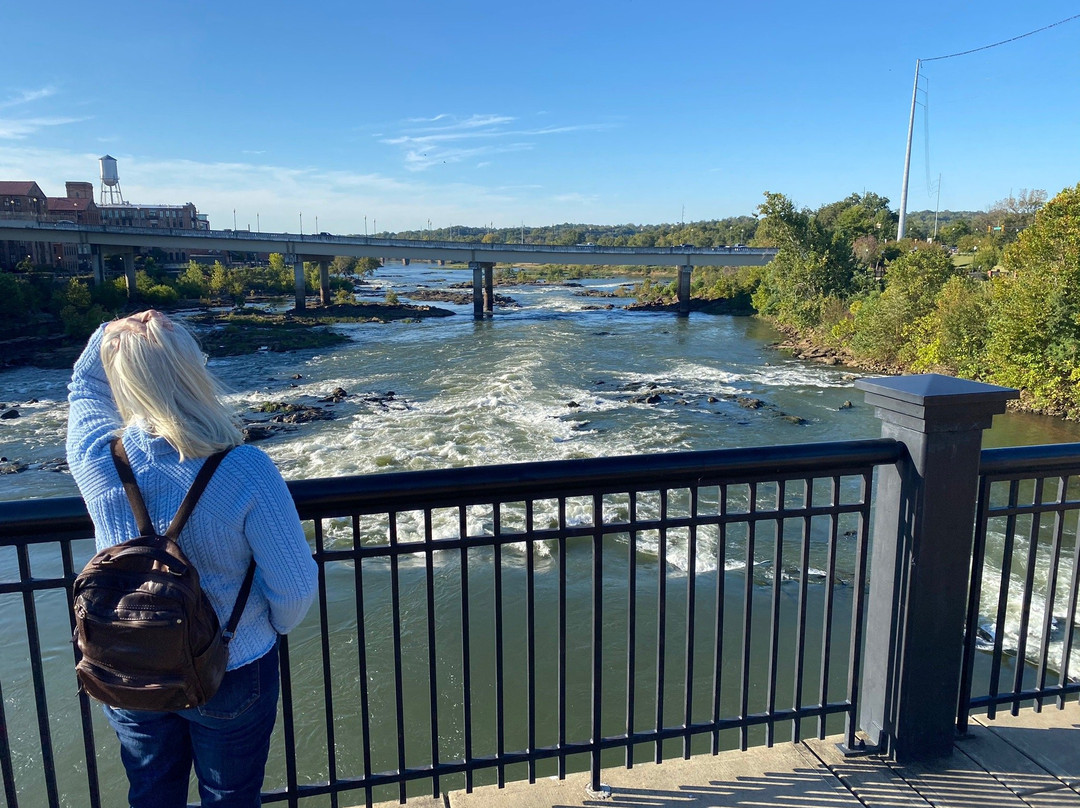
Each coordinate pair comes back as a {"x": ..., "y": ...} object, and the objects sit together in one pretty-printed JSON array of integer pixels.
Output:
[{"x": 227, "y": 739}]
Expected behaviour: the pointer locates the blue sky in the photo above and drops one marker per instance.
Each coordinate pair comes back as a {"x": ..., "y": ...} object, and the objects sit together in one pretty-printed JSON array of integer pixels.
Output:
[{"x": 590, "y": 111}]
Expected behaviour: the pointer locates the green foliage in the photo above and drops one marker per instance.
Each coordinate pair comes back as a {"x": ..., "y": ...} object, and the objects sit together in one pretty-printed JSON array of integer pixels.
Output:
[
  {"x": 391, "y": 297},
  {"x": 885, "y": 324},
  {"x": 952, "y": 337},
  {"x": 14, "y": 308},
  {"x": 280, "y": 272},
  {"x": 367, "y": 266},
  {"x": 79, "y": 316},
  {"x": 920, "y": 274},
  {"x": 879, "y": 325},
  {"x": 193, "y": 282},
  {"x": 813, "y": 263},
  {"x": 1034, "y": 341}
]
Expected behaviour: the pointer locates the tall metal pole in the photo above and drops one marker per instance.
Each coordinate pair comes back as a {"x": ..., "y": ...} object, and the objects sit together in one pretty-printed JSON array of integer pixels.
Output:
[{"x": 907, "y": 156}]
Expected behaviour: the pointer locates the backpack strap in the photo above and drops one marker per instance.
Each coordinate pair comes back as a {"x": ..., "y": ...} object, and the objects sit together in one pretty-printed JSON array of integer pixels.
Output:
[
  {"x": 131, "y": 488},
  {"x": 146, "y": 526},
  {"x": 238, "y": 607},
  {"x": 138, "y": 505},
  {"x": 209, "y": 466}
]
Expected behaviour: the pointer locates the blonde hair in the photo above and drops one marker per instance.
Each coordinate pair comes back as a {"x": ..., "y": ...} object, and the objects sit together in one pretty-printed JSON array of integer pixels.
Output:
[{"x": 159, "y": 379}]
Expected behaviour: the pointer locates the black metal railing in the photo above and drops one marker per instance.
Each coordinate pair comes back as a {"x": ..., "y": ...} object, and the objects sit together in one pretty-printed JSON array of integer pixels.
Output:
[
  {"x": 509, "y": 622},
  {"x": 1021, "y": 635}
]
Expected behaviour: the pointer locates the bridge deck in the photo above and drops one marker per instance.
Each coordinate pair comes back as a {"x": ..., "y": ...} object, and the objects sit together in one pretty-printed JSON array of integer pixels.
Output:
[
  {"x": 1032, "y": 759},
  {"x": 326, "y": 245}
]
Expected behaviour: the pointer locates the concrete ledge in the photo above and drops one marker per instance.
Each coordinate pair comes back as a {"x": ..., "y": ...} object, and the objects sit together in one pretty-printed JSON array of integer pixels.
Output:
[
  {"x": 1028, "y": 760},
  {"x": 786, "y": 774}
]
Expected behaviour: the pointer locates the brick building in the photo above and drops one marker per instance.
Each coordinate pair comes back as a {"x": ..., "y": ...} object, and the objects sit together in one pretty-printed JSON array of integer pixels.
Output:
[
  {"x": 26, "y": 200},
  {"x": 23, "y": 199}
]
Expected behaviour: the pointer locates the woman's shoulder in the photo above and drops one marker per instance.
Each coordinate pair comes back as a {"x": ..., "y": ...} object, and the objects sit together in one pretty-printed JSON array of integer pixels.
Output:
[{"x": 249, "y": 462}]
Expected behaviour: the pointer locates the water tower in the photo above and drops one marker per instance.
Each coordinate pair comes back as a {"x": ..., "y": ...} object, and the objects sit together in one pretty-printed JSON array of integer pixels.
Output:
[{"x": 110, "y": 182}]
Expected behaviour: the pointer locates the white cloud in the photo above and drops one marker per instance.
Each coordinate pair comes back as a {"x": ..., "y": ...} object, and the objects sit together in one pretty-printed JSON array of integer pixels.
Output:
[
  {"x": 424, "y": 147},
  {"x": 27, "y": 97},
  {"x": 19, "y": 127}
]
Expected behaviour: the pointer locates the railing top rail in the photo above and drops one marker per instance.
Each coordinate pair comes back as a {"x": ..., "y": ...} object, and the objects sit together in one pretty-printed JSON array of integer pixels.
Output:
[
  {"x": 401, "y": 491},
  {"x": 1031, "y": 460},
  {"x": 66, "y": 517}
]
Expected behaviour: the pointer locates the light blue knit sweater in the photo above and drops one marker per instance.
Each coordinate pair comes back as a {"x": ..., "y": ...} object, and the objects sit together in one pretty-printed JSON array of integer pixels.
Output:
[{"x": 245, "y": 511}]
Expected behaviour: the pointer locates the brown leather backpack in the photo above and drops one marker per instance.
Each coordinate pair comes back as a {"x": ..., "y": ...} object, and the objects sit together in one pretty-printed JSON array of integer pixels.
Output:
[{"x": 147, "y": 636}]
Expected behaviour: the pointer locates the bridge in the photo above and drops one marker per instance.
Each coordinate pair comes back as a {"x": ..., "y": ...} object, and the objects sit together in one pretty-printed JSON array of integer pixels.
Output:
[{"x": 101, "y": 240}]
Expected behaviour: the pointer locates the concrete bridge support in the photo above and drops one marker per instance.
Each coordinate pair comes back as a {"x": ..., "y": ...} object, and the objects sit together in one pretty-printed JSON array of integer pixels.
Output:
[
  {"x": 684, "y": 290},
  {"x": 483, "y": 292},
  {"x": 324, "y": 282},
  {"x": 923, "y": 536},
  {"x": 96, "y": 264},
  {"x": 404, "y": 262},
  {"x": 298, "y": 281},
  {"x": 129, "y": 273}
]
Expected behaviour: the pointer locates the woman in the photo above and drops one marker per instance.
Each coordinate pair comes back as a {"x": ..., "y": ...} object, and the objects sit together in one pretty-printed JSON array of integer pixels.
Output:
[{"x": 144, "y": 377}]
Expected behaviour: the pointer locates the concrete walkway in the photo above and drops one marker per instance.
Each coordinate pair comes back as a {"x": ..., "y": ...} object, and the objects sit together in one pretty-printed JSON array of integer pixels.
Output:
[{"x": 1029, "y": 760}]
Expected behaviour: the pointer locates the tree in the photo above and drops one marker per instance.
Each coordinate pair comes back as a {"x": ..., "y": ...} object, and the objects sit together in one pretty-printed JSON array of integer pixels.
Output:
[
  {"x": 920, "y": 274},
  {"x": 367, "y": 266},
  {"x": 1035, "y": 310},
  {"x": 884, "y": 326},
  {"x": 282, "y": 272},
  {"x": 1014, "y": 213},
  {"x": 343, "y": 265},
  {"x": 192, "y": 283},
  {"x": 952, "y": 337},
  {"x": 811, "y": 266}
]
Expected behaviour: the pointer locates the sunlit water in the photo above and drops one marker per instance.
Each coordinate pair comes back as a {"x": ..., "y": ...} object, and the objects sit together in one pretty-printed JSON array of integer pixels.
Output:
[{"x": 557, "y": 378}]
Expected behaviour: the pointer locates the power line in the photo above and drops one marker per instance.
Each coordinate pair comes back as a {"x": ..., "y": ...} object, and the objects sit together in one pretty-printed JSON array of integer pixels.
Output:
[
  {"x": 1004, "y": 41},
  {"x": 914, "y": 99}
]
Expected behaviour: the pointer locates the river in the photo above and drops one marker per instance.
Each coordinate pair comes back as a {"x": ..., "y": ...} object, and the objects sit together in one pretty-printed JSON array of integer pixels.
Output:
[
  {"x": 560, "y": 377},
  {"x": 503, "y": 389}
]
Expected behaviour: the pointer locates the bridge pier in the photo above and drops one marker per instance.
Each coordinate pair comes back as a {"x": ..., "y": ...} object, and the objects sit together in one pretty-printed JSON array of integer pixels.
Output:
[
  {"x": 404, "y": 262},
  {"x": 923, "y": 535},
  {"x": 684, "y": 290},
  {"x": 128, "y": 257},
  {"x": 298, "y": 281},
  {"x": 483, "y": 293},
  {"x": 324, "y": 282},
  {"x": 96, "y": 264}
]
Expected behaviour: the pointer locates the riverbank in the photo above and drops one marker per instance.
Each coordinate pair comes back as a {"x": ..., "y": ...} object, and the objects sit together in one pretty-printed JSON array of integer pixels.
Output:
[
  {"x": 245, "y": 331},
  {"x": 232, "y": 333}
]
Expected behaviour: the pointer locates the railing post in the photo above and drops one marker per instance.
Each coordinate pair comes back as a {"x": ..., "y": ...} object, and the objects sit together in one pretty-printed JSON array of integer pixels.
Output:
[{"x": 922, "y": 539}]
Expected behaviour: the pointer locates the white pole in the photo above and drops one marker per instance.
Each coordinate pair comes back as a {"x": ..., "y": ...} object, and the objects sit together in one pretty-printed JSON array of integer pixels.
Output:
[{"x": 907, "y": 157}]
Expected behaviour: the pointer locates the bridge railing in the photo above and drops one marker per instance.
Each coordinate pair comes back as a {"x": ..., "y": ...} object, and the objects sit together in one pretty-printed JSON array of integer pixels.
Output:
[
  {"x": 475, "y": 625},
  {"x": 502, "y": 623},
  {"x": 1022, "y": 642}
]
